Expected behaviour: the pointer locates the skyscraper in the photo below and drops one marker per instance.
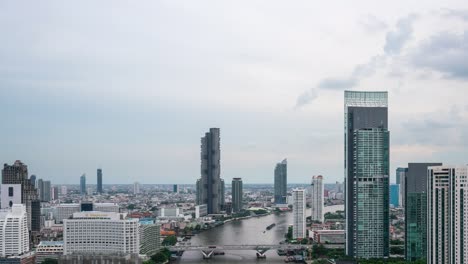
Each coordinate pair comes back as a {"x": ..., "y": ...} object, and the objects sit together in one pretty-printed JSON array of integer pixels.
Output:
[
  {"x": 367, "y": 174},
  {"x": 395, "y": 195},
  {"x": 136, "y": 188},
  {"x": 99, "y": 180},
  {"x": 40, "y": 189},
  {"x": 281, "y": 182},
  {"x": 47, "y": 188},
  {"x": 210, "y": 189},
  {"x": 18, "y": 174},
  {"x": 299, "y": 217},
  {"x": 447, "y": 217},
  {"x": 416, "y": 180},
  {"x": 175, "y": 188},
  {"x": 237, "y": 194},
  {"x": 401, "y": 180},
  {"x": 83, "y": 184},
  {"x": 317, "y": 198},
  {"x": 32, "y": 179}
]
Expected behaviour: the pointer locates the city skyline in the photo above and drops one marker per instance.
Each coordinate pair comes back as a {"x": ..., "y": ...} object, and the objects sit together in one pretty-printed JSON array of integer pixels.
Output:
[{"x": 82, "y": 99}]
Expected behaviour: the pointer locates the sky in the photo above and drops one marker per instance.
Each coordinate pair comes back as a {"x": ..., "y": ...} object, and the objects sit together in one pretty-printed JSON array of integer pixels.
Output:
[{"x": 131, "y": 87}]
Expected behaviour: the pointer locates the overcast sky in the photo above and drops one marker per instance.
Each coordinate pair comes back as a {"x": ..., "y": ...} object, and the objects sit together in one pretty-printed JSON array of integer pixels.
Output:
[{"x": 132, "y": 86}]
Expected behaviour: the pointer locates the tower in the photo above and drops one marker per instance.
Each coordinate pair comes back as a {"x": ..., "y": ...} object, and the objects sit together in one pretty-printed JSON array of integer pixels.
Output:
[{"x": 281, "y": 182}]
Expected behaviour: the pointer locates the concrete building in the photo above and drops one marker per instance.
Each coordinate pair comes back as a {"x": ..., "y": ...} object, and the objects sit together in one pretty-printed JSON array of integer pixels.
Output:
[
  {"x": 40, "y": 189},
  {"x": 10, "y": 194},
  {"x": 447, "y": 217},
  {"x": 83, "y": 184},
  {"x": 48, "y": 250},
  {"x": 14, "y": 236},
  {"x": 55, "y": 193},
  {"x": 415, "y": 177},
  {"x": 99, "y": 181},
  {"x": 46, "y": 196},
  {"x": 299, "y": 213},
  {"x": 106, "y": 207},
  {"x": 210, "y": 187},
  {"x": 170, "y": 212},
  {"x": 27, "y": 258},
  {"x": 367, "y": 174},
  {"x": 317, "y": 198},
  {"x": 63, "y": 190},
  {"x": 237, "y": 194},
  {"x": 329, "y": 236},
  {"x": 136, "y": 188},
  {"x": 65, "y": 211},
  {"x": 201, "y": 210},
  {"x": 101, "y": 232},
  {"x": 150, "y": 237},
  {"x": 281, "y": 182}
]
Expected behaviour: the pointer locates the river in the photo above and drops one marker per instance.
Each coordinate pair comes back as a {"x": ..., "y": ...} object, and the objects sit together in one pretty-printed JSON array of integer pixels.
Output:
[{"x": 247, "y": 231}]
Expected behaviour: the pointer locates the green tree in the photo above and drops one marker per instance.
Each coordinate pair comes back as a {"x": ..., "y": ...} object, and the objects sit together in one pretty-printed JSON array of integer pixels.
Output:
[
  {"x": 169, "y": 241},
  {"x": 289, "y": 234},
  {"x": 159, "y": 257}
]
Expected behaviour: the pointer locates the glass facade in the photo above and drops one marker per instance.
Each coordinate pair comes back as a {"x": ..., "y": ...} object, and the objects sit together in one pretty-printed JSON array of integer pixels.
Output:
[{"x": 395, "y": 195}]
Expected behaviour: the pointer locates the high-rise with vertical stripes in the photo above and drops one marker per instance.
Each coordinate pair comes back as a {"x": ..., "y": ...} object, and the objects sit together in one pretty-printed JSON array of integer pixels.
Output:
[
  {"x": 317, "y": 198},
  {"x": 366, "y": 174}
]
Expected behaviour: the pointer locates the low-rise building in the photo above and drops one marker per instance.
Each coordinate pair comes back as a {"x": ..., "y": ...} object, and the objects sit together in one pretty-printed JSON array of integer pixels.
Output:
[
  {"x": 329, "y": 236},
  {"x": 49, "y": 250}
]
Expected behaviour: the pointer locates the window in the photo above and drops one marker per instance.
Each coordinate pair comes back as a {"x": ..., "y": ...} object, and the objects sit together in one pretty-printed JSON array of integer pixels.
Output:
[{"x": 10, "y": 191}]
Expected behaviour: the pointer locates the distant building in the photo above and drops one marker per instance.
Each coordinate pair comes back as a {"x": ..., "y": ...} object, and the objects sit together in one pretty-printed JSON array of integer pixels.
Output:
[
  {"x": 447, "y": 215},
  {"x": 175, "y": 188},
  {"x": 317, "y": 198},
  {"x": 14, "y": 230},
  {"x": 150, "y": 237},
  {"x": 55, "y": 193},
  {"x": 395, "y": 195},
  {"x": 49, "y": 250},
  {"x": 237, "y": 194},
  {"x": 32, "y": 180},
  {"x": 367, "y": 152},
  {"x": 106, "y": 207},
  {"x": 170, "y": 212},
  {"x": 329, "y": 236},
  {"x": 117, "y": 258},
  {"x": 281, "y": 182},
  {"x": 100, "y": 233},
  {"x": 401, "y": 180},
  {"x": 63, "y": 190},
  {"x": 10, "y": 194},
  {"x": 83, "y": 184},
  {"x": 27, "y": 258},
  {"x": 36, "y": 222},
  {"x": 47, "y": 188},
  {"x": 65, "y": 211},
  {"x": 87, "y": 206},
  {"x": 210, "y": 187},
  {"x": 416, "y": 179},
  {"x": 299, "y": 217},
  {"x": 40, "y": 189},
  {"x": 99, "y": 181},
  {"x": 136, "y": 188},
  {"x": 201, "y": 210}
]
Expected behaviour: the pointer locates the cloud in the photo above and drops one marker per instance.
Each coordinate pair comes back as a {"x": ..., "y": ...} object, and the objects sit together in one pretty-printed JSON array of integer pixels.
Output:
[
  {"x": 306, "y": 98},
  {"x": 462, "y": 14},
  {"x": 396, "y": 39},
  {"x": 372, "y": 24},
  {"x": 446, "y": 53},
  {"x": 338, "y": 84}
]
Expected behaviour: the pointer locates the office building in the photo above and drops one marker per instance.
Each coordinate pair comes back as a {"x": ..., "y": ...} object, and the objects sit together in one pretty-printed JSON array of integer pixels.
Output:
[
  {"x": 201, "y": 210},
  {"x": 299, "y": 210},
  {"x": 18, "y": 174},
  {"x": 401, "y": 180},
  {"x": 99, "y": 181},
  {"x": 367, "y": 174},
  {"x": 210, "y": 187},
  {"x": 395, "y": 195},
  {"x": 150, "y": 233},
  {"x": 415, "y": 177},
  {"x": 14, "y": 236},
  {"x": 36, "y": 222},
  {"x": 32, "y": 180},
  {"x": 54, "y": 193},
  {"x": 317, "y": 198},
  {"x": 63, "y": 190},
  {"x": 281, "y": 182},
  {"x": 10, "y": 194},
  {"x": 106, "y": 207},
  {"x": 237, "y": 194},
  {"x": 65, "y": 211},
  {"x": 46, "y": 194},
  {"x": 170, "y": 212},
  {"x": 447, "y": 216},
  {"x": 87, "y": 206},
  {"x": 83, "y": 184},
  {"x": 100, "y": 233},
  {"x": 136, "y": 188},
  {"x": 175, "y": 188},
  {"x": 49, "y": 250},
  {"x": 40, "y": 189},
  {"x": 222, "y": 193}
]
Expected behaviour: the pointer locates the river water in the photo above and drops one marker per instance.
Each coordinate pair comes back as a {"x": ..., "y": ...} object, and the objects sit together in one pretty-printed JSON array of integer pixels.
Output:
[{"x": 246, "y": 232}]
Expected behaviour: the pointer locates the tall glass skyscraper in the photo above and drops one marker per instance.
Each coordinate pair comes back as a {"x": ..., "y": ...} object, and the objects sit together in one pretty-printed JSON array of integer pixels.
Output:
[
  {"x": 210, "y": 187},
  {"x": 416, "y": 210},
  {"x": 83, "y": 184},
  {"x": 395, "y": 195},
  {"x": 367, "y": 174},
  {"x": 281, "y": 182},
  {"x": 237, "y": 194},
  {"x": 99, "y": 180}
]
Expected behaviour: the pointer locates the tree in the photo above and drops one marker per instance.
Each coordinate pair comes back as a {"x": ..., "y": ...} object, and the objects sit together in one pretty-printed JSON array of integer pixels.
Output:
[
  {"x": 131, "y": 207},
  {"x": 159, "y": 257},
  {"x": 289, "y": 234},
  {"x": 169, "y": 241}
]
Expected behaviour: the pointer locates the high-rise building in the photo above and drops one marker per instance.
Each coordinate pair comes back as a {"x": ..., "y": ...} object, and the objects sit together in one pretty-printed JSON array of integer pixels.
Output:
[
  {"x": 32, "y": 179},
  {"x": 100, "y": 233},
  {"x": 299, "y": 210},
  {"x": 36, "y": 223},
  {"x": 210, "y": 189},
  {"x": 55, "y": 193},
  {"x": 281, "y": 182},
  {"x": 237, "y": 194},
  {"x": 447, "y": 217},
  {"x": 47, "y": 188},
  {"x": 83, "y": 184},
  {"x": 63, "y": 190},
  {"x": 99, "y": 181},
  {"x": 136, "y": 188},
  {"x": 317, "y": 198},
  {"x": 395, "y": 195},
  {"x": 14, "y": 231},
  {"x": 175, "y": 188},
  {"x": 150, "y": 237},
  {"x": 222, "y": 189},
  {"x": 415, "y": 177},
  {"x": 367, "y": 174},
  {"x": 40, "y": 189},
  {"x": 401, "y": 180},
  {"x": 18, "y": 174}
]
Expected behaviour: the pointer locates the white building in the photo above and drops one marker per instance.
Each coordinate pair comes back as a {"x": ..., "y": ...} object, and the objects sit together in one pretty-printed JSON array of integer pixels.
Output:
[
  {"x": 10, "y": 194},
  {"x": 49, "y": 249},
  {"x": 14, "y": 236},
  {"x": 317, "y": 198},
  {"x": 101, "y": 232},
  {"x": 63, "y": 190},
  {"x": 136, "y": 188},
  {"x": 201, "y": 210},
  {"x": 106, "y": 207},
  {"x": 170, "y": 212},
  {"x": 299, "y": 217},
  {"x": 65, "y": 211},
  {"x": 447, "y": 217}
]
